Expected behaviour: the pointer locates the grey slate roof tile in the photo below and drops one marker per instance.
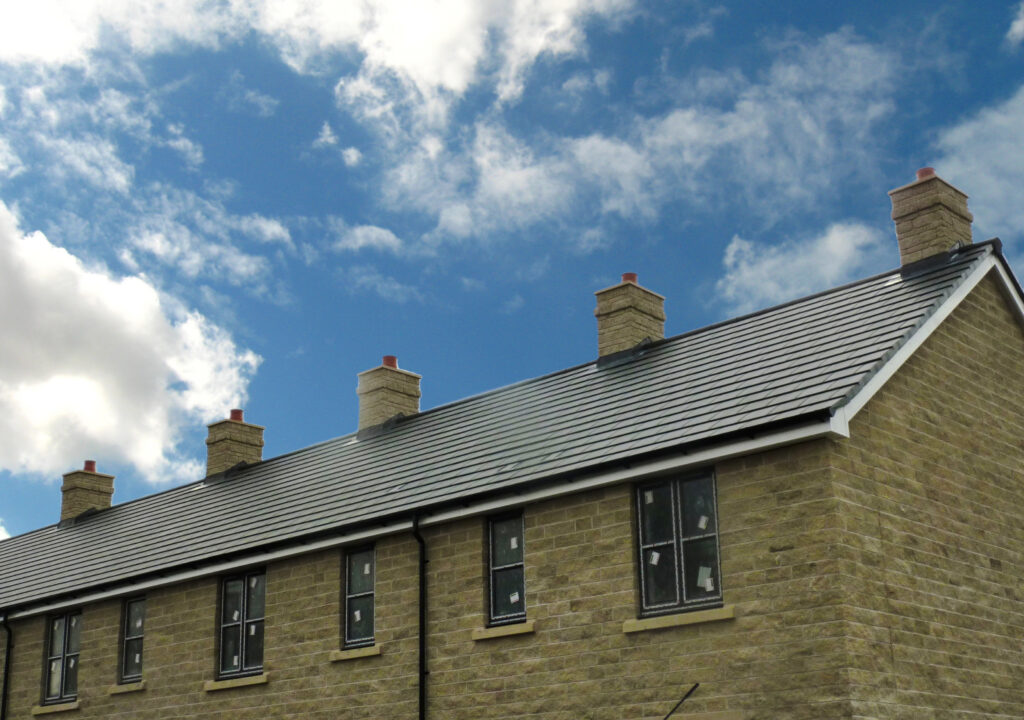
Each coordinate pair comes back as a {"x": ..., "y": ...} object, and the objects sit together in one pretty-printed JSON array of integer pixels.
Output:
[{"x": 780, "y": 364}]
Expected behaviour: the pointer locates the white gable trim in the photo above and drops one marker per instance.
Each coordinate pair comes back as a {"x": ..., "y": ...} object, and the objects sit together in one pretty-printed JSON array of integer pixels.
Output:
[{"x": 851, "y": 407}]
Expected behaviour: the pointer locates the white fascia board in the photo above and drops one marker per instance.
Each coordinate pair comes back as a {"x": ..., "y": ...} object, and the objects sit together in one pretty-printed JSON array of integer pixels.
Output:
[
  {"x": 835, "y": 427},
  {"x": 854, "y": 405}
]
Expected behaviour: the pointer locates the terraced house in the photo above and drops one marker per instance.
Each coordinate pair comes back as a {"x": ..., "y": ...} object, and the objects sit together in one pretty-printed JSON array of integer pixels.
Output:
[{"x": 814, "y": 511}]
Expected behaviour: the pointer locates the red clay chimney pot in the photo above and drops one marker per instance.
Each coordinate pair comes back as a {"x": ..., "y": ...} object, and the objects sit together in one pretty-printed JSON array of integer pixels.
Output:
[
  {"x": 389, "y": 361},
  {"x": 629, "y": 277},
  {"x": 90, "y": 466},
  {"x": 925, "y": 172},
  {"x": 237, "y": 415}
]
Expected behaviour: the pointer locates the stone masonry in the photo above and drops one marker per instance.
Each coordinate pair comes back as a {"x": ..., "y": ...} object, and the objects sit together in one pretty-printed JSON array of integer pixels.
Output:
[
  {"x": 931, "y": 217},
  {"x": 628, "y": 314}
]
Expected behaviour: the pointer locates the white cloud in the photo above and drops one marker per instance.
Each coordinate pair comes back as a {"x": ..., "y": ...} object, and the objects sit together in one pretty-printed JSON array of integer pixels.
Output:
[
  {"x": 759, "y": 275},
  {"x": 366, "y": 278},
  {"x": 352, "y": 156},
  {"x": 3, "y": 531},
  {"x": 91, "y": 158},
  {"x": 985, "y": 153},
  {"x": 326, "y": 138},
  {"x": 103, "y": 367},
  {"x": 243, "y": 99},
  {"x": 10, "y": 163},
  {"x": 1015, "y": 35},
  {"x": 368, "y": 236},
  {"x": 513, "y": 304}
]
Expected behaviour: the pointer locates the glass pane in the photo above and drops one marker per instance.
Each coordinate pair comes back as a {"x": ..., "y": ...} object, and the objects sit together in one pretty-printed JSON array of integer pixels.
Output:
[
  {"x": 360, "y": 619},
  {"x": 133, "y": 658},
  {"x": 136, "y": 618},
  {"x": 53, "y": 679},
  {"x": 360, "y": 572},
  {"x": 230, "y": 648},
  {"x": 74, "y": 633},
  {"x": 232, "y": 601},
  {"x": 656, "y": 514},
  {"x": 56, "y": 636},
  {"x": 255, "y": 596},
  {"x": 254, "y": 645},
  {"x": 507, "y": 541},
  {"x": 701, "y": 564},
  {"x": 507, "y": 593},
  {"x": 659, "y": 572},
  {"x": 698, "y": 507},
  {"x": 71, "y": 676}
]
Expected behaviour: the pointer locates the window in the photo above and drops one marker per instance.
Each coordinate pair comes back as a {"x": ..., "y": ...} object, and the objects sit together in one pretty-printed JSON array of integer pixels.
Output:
[
  {"x": 678, "y": 545},
  {"x": 132, "y": 631},
  {"x": 241, "y": 624},
  {"x": 507, "y": 589},
  {"x": 62, "y": 648},
  {"x": 359, "y": 580}
]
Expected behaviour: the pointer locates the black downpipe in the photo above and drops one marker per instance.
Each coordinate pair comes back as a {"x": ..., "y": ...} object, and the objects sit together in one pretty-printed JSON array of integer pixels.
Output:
[
  {"x": 7, "y": 665},
  {"x": 423, "y": 616}
]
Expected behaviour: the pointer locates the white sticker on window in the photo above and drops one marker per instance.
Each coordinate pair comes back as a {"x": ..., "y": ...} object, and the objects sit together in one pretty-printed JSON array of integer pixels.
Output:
[
  {"x": 648, "y": 497},
  {"x": 513, "y": 542},
  {"x": 358, "y": 615},
  {"x": 74, "y": 621},
  {"x": 252, "y": 582},
  {"x": 234, "y": 659},
  {"x": 138, "y": 658},
  {"x": 703, "y": 522},
  {"x": 234, "y": 615},
  {"x": 655, "y": 557},
  {"x": 703, "y": 575},
  {"x": 252, "y": 629},
  {"x": 513, "y": 598},
  {"x": 71, "y": 662},
  {"x": 709, "y": 584},
  {"x": 366, "y": 568},
  {"x": 138, "y": 623}
]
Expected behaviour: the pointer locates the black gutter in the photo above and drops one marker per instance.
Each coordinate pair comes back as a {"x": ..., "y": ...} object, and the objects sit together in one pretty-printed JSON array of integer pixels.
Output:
[
  {"x": 423, "y": 616},
  {"x": 7, "y": 664}
]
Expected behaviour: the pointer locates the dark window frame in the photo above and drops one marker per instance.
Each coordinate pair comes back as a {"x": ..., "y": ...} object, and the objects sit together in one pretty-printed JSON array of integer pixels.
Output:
[
  {"x": 244, "y": 621},
  {"x": 127, "y": 637},
  {"x": 348, "y": 596},
  {"x": 68, "y": 660},
  {"x": 493, "y": 618},
  {"x": 678, "y": 543}
]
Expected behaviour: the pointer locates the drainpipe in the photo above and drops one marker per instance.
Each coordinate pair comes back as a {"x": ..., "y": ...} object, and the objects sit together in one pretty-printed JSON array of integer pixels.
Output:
[
  {"x": 7, "y": 665},
  {"x": 423, "y": 616}
]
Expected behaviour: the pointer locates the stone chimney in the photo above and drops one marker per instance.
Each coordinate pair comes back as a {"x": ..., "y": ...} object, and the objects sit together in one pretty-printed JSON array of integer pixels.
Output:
[
  {"x": 628, "y": 314},
  {"x": 232, "y": 441},
  {"x": 85, "y": 489},
  {"x": 931, "y": 217},
  {"x": 386, "y": 391}
]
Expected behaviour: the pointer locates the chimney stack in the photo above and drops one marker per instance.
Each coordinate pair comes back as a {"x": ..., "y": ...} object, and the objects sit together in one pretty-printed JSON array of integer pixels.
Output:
[
  {"x": 232, "y": 441},
  {"x": 386, "y": 391},
  {"x": 84, "y": 490},
  {"x": 628, "y": 314},
  {"x": 931, "y": 217}
]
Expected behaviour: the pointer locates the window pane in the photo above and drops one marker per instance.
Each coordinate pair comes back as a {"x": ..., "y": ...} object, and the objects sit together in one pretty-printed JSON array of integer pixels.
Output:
[
  {"x": 232, "y": 601},
  {"x": 360, "y": 572},
  {"x": 230, "y": 648},
  {"x": 701, "y": 564},
  {"x": 656, "y": 513},
  {"x": 254, "y": 645},
  {"x": 56, "y": 636},
  {"x": 53, "y": 679},
  {"x": 659, "y": 572},
  {"x": 74, "y": 633},
  {"x": 507, "y": 541},
  {"x": 133, "y": 658},
  {"x": 255, "y": 595},
  {"x": 136, "y": 618},
  {"x": 698, "y": 507},
  {"x": 359, "y": 613},
  {"x": 71, "y": 676},
  {"x": 507, "y": 593}
]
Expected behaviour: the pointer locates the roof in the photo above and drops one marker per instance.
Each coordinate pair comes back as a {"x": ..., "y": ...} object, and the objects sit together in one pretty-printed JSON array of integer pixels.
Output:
[{"x": 802, "y": 359}]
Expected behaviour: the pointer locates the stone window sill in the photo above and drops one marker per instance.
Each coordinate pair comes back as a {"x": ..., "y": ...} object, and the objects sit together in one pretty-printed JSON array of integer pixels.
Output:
[
  {"x": 523, "y": 628},
  {"x": 214, "y": 685},
  {"x": 354, "y": 653},
  {"x": 726, "y": 612},
  {"x": 59, "y": 707},
  {"x": 127, "y": 688}
]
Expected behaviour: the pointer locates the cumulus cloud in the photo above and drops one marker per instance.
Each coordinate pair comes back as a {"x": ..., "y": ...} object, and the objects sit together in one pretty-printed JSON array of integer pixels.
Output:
[
  {"x": 1015, "y": 35},
  {"x": 366, "y": 278},
  {"x": 3, "y": 531},
  {"x": 352, "y": 156},
  {"x": 326, "y": 138},
  {"x": 368, "y": 236},
  {"x": 96, "y": 365},
  {"x": 758, "y": 275},
  {"x": 985, "y": 153}
]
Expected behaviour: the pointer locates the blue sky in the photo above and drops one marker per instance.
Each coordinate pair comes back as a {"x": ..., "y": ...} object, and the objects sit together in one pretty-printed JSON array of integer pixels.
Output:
[{"x": 207, "y": 205}]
